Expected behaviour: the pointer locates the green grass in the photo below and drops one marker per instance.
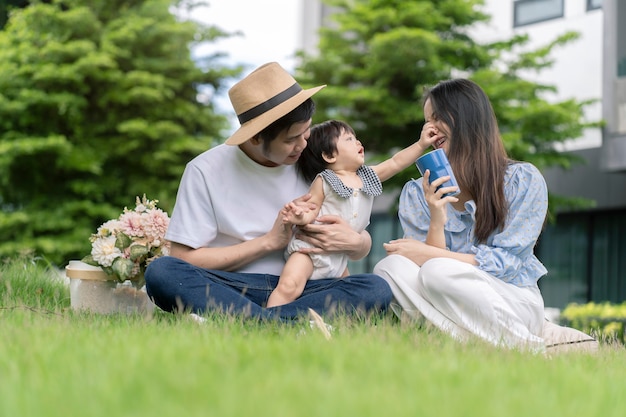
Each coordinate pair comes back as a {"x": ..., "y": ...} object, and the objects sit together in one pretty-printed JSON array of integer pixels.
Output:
[{"x": 58, "y": 362}]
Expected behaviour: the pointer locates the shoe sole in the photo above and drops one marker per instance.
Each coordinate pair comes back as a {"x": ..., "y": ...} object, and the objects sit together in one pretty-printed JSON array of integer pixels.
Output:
[{"x": 318, "y": 321}]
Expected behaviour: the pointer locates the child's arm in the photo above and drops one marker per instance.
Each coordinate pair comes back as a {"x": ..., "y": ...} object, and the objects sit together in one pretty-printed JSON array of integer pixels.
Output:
[
  {"x": 407, "y": 156},
  {"x": 294, "y": 214}
]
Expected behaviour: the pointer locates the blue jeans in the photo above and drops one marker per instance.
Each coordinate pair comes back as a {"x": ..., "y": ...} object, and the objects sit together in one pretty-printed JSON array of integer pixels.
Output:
[{"x": 175, "y": 285}]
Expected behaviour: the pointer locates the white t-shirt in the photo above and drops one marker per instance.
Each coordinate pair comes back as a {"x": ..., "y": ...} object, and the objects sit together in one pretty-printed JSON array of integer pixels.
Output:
[{"x": 225, "y": 198}]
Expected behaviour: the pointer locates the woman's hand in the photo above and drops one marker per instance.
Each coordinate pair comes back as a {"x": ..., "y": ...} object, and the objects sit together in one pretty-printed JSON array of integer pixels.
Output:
[
  {"x": 418, "y": 252},
  {"x": 437, "y": 203},
  {"x": 332, "y": 234}
]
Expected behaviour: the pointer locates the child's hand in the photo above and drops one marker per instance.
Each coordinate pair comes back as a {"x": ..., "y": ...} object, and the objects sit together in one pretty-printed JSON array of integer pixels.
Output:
[
  {"x": 430, "y": 134},
  {"x": 300, "y": 211},
  {"x": 293, "y": 213}
]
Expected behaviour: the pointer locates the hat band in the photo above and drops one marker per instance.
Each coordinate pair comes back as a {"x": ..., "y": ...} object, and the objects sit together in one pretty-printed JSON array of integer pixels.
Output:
[{"x": 269, "y": 104}]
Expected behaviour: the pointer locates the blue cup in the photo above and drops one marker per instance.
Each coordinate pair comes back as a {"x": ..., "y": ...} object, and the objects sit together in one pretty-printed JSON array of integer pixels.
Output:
[{"x": 437, "y": 162}]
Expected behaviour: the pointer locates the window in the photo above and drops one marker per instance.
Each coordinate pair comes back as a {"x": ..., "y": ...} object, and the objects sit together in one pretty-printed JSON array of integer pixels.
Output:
[
  {"x": 594, "y": 4},
  {"x": 526, "y": 12},
  {"x": 621, "y": 38},
  {"x": 621, "y": 68}
]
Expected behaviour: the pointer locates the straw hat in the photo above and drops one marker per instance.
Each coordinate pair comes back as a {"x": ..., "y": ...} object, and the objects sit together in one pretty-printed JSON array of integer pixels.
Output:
[{"x": 264, "y": 96}]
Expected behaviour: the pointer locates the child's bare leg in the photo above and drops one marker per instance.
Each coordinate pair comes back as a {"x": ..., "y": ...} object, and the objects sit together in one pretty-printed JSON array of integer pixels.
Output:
[{"x": 296, "y": 273}]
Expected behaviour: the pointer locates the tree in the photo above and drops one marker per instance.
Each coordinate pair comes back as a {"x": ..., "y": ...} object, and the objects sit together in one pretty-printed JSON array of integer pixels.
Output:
[
  {"x": 377, "y": 57},
  {"x": 6, "y": 6},
  {"x": 98, "y": 104}
]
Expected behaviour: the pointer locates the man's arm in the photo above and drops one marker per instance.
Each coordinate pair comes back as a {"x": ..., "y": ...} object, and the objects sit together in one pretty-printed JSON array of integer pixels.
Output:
[{"x": 230, "y": 258}]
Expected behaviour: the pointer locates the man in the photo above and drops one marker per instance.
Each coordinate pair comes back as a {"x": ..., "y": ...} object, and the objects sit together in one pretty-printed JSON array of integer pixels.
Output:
[{"x": 226, "y": 233}]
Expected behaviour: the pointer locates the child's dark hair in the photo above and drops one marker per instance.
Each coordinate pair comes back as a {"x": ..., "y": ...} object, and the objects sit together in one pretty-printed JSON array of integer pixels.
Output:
[{"x": 323, "y": 141}]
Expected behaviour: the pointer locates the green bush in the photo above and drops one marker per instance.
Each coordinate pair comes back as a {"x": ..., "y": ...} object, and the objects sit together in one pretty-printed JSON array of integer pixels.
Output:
[
  {"x": 99, "y": 103},
  {"x": 603, "y": 320}
]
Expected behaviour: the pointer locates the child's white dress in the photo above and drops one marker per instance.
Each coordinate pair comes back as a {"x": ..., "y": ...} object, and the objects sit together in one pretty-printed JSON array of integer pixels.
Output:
[{"x": 352, "y": 205}]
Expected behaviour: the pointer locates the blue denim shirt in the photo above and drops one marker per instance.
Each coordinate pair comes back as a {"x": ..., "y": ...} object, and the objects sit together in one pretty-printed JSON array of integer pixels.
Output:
[{"x": 507, "y": 254}]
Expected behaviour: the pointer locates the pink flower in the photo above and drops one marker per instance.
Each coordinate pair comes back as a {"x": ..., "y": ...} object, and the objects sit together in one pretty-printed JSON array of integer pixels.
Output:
[
  {"x": 131, "y": 224},
  {"x": 125, "y": 246},
  {"x": 155, "y": 223}
]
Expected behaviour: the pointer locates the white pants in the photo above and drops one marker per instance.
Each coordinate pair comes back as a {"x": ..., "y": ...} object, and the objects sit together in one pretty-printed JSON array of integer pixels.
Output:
[{"x": 462, "y": 300}]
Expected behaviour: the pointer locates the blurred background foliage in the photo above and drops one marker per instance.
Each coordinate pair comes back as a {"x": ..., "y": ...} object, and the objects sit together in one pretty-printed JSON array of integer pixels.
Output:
[
  {"x": 378, "y": 57},
  {"x": 100, "y": 100},
  {"x": 99, "y": 103}
]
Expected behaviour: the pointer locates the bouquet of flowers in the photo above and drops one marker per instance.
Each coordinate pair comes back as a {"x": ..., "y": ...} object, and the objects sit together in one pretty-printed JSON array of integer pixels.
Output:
[{"x": 124, "y": 247}]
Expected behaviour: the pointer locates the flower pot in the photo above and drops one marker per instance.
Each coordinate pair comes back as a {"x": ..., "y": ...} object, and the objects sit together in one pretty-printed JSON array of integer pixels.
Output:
[{"x": 93, "y": 290}]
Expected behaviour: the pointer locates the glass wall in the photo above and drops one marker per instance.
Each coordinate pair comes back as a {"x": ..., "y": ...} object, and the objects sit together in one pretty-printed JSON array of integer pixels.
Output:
[
  {"x": 564, "y": 248},
  {"x": 585, "y": 254},
  {"x": 383, "y": 228}
]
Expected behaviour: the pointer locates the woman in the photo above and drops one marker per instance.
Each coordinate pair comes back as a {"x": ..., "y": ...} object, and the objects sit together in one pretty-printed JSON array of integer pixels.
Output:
[{"x": 466, "y": 262}]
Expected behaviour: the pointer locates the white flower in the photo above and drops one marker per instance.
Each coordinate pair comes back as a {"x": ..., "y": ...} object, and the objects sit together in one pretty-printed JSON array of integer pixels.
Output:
[
  {"x": 104, "y": 251},
  {"x": 140, "y": 238},
  {"x": 139, "y": 235},
  {"x": 108, "y": 228}
]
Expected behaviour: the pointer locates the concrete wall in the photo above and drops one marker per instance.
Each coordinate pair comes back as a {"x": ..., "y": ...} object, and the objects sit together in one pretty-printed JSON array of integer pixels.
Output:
[
  {"x": 607, "y": 189},
  {"x": 577, "y": 69}
]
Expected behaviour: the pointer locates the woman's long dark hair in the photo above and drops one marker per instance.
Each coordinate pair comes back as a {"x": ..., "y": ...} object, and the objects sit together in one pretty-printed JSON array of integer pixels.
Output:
[
  {"x": 475, "y": 150},
  {"x": 323, "y": 141}
]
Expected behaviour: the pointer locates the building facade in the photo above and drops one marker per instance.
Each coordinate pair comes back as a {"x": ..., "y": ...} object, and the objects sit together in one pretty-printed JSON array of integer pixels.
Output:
[{"x": 585, "y": 250}]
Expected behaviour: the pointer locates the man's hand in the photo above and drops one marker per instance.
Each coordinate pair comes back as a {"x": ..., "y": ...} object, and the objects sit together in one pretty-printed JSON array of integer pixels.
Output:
[
  {"x": 332, "y": 234},
  {"x": 280, "y": 234}
]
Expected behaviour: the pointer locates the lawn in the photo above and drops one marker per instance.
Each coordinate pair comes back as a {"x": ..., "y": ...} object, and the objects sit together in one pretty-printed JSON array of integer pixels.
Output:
[{"x": 58, "y": 362}]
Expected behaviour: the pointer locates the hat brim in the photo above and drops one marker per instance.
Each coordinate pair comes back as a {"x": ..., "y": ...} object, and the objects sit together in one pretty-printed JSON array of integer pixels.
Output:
[{"x": 254, "y": 126}]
